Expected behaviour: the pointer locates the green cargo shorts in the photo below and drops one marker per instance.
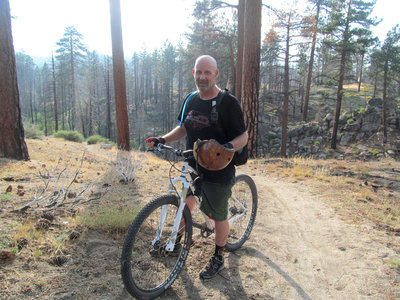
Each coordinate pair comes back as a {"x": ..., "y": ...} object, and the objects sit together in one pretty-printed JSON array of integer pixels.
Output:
[{"x": 215, "y": 198}]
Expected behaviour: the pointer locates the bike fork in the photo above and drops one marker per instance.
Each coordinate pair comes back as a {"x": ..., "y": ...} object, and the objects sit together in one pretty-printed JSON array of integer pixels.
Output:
[{"x": 175, "y": 229}]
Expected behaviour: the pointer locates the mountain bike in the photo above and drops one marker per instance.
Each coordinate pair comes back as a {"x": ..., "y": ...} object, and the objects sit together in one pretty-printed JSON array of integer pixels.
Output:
[{"x": 153, "y": 255}]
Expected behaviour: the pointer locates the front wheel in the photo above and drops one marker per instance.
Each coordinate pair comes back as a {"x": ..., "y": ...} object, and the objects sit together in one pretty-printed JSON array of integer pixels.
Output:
[
  {"x": 147, "y": 269},
  {"x": 242, "y": 210}
]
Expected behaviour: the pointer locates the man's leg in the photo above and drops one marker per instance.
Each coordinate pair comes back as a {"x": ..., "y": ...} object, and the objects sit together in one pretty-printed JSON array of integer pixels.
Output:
[
  {"x": 221, "y": 232},
  {"x": 216, "y": 263},
  {"x": 191, "y": 202}
]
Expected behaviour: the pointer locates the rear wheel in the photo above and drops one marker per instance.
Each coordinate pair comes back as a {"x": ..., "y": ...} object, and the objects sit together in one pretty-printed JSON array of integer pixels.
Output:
[
  {"x": 242, "y": 210},
  {"x": 147, "y": 269}
]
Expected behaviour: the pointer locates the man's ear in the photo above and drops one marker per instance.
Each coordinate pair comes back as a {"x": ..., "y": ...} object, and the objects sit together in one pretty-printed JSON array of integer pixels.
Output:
[
  {"x": 216, "y": 72},
  {"x": 193, "y": 71}
]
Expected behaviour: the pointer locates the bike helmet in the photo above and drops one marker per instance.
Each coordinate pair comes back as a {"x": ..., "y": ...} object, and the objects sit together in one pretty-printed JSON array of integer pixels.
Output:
[{"x": 211, "y": 155}]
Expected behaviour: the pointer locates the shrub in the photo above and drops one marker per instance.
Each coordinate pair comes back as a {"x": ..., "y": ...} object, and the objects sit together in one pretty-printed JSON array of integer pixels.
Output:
[
  {"x": 94, "y": 139},
  {"x": 134, "y": 145},
  {"x": 32, "y": 131},
  {"x": 72, "y": 136},
  {"x": 374, "y": 151},
  {"x": 362, "y": 110}
]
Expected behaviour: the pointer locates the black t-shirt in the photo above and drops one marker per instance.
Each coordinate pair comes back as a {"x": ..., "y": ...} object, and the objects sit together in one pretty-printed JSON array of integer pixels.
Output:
[{"x": 198, "y": 125}]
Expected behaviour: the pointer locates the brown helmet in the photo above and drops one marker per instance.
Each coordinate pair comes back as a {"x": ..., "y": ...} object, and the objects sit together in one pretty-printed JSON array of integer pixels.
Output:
[{"x": 212, "y": 155}]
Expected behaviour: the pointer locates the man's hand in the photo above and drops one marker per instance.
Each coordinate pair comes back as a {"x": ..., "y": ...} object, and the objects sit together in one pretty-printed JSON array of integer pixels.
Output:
[
  {"x": 228, "y": 146},
  {"x": 153, "y": 142}
]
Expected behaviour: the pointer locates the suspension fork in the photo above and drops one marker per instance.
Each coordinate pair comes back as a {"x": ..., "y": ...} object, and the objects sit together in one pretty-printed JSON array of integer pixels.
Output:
[{"x": 178, "y": 217}]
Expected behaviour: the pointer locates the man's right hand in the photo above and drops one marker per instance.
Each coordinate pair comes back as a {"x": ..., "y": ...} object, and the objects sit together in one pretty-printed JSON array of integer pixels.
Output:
[{"x": 153, "y": 142}]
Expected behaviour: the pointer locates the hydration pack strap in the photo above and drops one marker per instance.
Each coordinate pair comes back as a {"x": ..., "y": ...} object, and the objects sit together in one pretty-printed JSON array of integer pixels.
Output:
[{"x": 184, "y": 105}]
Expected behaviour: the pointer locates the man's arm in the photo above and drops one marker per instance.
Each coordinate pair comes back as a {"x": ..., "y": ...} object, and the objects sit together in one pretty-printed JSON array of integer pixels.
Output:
[
  {"x": 179, "y": 132},
  {"x": 240, "y": 141}
]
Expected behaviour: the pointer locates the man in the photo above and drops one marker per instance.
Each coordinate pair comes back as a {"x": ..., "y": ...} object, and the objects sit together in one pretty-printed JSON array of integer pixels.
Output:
[{"x": 216, "y": 187}]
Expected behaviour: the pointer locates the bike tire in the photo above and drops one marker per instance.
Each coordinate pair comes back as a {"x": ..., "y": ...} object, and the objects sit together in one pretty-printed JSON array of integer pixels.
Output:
[
  {"x": 146, "y": 276},
  {"x": 242, "y": 205}
]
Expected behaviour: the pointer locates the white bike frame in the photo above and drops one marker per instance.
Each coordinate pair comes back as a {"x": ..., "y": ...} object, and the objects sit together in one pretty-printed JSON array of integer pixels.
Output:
[{"x": 187, "y": 182}]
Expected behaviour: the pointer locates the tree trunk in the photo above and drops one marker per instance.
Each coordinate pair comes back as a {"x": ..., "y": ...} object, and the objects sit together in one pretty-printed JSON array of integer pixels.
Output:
[
  {"x": 239, "y": 63},
  {"x": 361, "y": 71},
  {"x": 54, "y": 94},
  {"x": 384, "y": 100},
  {"x": 251, "y": 71},
  {"x": 342, "y": 70},
  {"x": 285, "y": 111},
  {"x": 12, "y": 143},
  {"x": 108, "y": 93},
  {"x": 311, "y": 63},
  {"x": 338, "y": 100},
  {"x": 72, "y": 95},
  {"x": 119, "y": 76}
]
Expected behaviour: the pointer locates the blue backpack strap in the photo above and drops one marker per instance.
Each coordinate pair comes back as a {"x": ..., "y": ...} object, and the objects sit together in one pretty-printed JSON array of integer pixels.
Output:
[{"x": 184, "y": 105}]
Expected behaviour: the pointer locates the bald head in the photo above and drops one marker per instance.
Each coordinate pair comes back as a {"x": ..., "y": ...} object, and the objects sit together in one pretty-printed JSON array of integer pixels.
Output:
[{"x": 209, "y": 60}]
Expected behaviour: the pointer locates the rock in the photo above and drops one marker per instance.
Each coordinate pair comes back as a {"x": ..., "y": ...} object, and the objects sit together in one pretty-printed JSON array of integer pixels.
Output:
[
  {"x": 105, "y": 146},
  {"x": 328, "y": 117},
  {"x": 375, "y": 102},
  {"x": 346, "y": 138}
]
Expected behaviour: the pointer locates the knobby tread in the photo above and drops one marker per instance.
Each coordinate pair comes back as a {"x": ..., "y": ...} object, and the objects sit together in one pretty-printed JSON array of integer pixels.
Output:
[{"x": 130, "y": 239}]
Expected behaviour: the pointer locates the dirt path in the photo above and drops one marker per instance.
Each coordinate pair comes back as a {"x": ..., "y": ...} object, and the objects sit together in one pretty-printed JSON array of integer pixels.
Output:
[{"x": 299, "y": 249}]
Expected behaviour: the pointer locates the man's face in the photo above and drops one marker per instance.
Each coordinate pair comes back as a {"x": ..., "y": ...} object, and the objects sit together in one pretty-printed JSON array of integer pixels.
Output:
[{"x": 205, "y": 74}]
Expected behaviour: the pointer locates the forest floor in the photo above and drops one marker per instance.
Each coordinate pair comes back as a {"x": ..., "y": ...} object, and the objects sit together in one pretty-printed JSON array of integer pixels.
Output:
[{"x": 325, "y": 229}]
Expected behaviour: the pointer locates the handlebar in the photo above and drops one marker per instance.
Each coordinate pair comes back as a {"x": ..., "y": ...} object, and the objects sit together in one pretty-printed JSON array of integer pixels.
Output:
[{"x": 177, "y": 152}]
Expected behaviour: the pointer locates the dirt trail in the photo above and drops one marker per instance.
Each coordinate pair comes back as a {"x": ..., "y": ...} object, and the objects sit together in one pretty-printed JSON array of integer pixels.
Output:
[{"x": 300, "y": 248}]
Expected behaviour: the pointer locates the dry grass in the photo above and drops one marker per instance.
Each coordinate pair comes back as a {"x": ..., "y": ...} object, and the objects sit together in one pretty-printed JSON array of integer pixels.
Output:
[{"x": 113, "y": 208}]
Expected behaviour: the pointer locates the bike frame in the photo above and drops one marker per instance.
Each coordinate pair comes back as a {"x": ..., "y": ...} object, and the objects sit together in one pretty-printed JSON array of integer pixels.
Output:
[{"x": 186, "y": 179}]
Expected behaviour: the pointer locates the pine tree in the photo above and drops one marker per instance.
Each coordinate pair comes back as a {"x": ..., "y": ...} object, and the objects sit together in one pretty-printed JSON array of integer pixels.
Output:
[
  {"x": 71, "y": 52},
  {"x": 348, "y": 23},
  {"x": 387, "y": 60}
]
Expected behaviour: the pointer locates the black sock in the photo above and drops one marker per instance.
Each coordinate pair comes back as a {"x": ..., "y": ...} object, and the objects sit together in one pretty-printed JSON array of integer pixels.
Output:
[{"x": 219, "y": 251}]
